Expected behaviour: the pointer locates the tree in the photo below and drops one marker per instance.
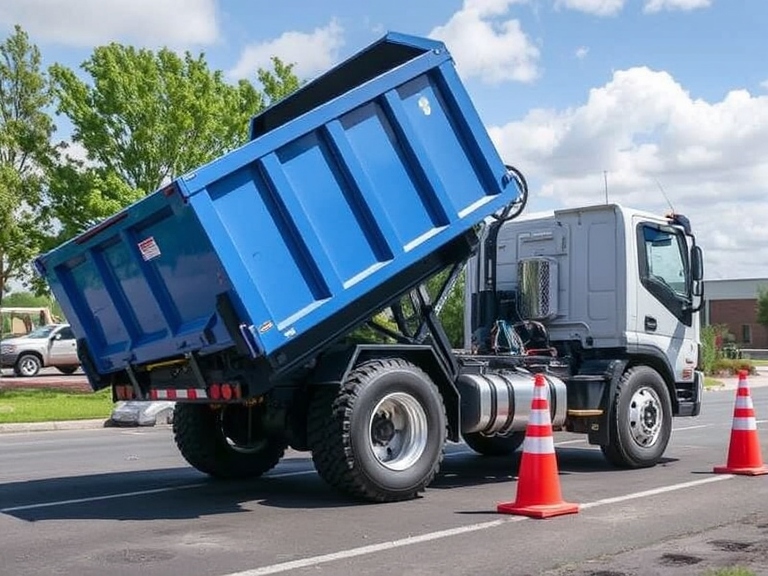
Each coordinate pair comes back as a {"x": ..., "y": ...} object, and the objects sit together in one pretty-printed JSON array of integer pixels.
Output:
[
  {"x": 148, "y": 116},
  {"x": 26, "y": 153},
  {"x": 145, "y": 118},
  {"x": 278, "y": 82},
  {"x": 762, "y": 306}
]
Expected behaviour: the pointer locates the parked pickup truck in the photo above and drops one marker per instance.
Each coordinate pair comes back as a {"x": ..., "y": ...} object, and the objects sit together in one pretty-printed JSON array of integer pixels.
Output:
[{"x": 50, "y": 345}]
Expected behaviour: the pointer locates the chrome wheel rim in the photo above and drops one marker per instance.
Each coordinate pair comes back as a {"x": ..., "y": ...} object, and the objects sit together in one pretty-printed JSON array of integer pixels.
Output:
[
  {"x": 28, "y": 366},
  {"x": 398, "y": 431},
  {"x": 645, "y": 417}
]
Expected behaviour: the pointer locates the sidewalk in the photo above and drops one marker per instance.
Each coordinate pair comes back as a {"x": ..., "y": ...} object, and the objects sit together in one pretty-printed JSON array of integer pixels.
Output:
[{"x": 758, "y": 380}]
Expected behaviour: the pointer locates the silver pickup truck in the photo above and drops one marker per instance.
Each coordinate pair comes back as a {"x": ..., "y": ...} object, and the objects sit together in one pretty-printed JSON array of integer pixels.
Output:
[{"x": 51, "y": 345}]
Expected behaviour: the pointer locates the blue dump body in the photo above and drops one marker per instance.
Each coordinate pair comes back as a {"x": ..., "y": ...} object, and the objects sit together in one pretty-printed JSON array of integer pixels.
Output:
[{"x": 350, "y": 192}]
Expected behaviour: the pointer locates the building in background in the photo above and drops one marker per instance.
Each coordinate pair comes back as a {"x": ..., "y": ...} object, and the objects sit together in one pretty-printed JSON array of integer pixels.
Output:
[{"x": 734, "y": 304}]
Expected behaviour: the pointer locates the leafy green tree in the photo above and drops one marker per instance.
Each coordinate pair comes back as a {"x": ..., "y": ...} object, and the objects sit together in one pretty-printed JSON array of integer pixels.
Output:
[
  {"x": 762, "y": 306},
  {"x": 278, "y": 82},
  {"x": 144, "y": 118},
  {"x": 452, "y": 313},
  {"x": 148, "y": 116},
  {"x": 26, "y": 153}
]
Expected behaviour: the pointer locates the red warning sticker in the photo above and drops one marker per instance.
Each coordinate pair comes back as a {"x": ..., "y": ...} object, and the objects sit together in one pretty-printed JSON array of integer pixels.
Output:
[{"x": 149, "y": 249}]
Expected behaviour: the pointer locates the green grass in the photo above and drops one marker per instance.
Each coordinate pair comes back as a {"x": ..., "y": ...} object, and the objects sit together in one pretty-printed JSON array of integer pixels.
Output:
[
  {"x": 732, "y": 571},
  {"x": 45, "y": 405},
  {"x": 712, "y": 382}
]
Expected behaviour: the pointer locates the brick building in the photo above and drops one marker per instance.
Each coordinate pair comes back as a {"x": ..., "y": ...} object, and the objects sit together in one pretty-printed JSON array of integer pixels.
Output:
[{"x": 734, "y": 303}]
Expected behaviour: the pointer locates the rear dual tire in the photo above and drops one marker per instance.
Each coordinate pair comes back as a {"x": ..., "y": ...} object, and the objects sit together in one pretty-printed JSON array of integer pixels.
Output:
[
  {"x": 380, "y": 436},
  {"x": 225, "y": 442}
]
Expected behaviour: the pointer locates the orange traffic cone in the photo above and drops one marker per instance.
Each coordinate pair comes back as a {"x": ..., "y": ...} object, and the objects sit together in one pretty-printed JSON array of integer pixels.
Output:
[
  {"x": 744, "y": 455},
  {"x": 538, "y": 486}
]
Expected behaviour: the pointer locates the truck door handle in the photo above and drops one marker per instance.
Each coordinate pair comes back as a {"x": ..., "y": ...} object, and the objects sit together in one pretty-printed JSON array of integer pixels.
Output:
[{"x": 650, "y": 323}]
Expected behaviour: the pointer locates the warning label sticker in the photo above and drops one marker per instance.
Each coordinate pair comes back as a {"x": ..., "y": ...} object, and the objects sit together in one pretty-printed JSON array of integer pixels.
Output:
[{"x": 149, "y": 249}]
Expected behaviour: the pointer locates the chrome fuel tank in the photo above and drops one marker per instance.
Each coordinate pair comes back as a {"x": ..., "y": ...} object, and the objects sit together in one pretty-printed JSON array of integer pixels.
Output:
[{"x": 500, "y": 402}]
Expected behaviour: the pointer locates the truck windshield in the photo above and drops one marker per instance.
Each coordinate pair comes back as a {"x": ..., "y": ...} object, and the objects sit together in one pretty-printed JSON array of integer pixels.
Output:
[
  {"x": 42, "y": 332},
  {"x": 665, "y": 259}
]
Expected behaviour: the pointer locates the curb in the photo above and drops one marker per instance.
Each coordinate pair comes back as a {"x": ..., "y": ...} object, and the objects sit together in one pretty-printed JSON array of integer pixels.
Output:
[{"x": 51, "y": 426}]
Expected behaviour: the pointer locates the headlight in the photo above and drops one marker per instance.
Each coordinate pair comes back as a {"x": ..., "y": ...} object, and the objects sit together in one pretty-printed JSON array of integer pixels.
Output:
[{"x": 7, "y": 349}]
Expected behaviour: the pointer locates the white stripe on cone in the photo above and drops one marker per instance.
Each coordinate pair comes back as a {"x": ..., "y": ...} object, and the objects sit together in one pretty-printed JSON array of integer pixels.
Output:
[
  {"x": 744, "y": 424},
  {"x": 539, "y": 417},
  {"x": 744, "y": 402},
  {"x": 539, "y": 445}
]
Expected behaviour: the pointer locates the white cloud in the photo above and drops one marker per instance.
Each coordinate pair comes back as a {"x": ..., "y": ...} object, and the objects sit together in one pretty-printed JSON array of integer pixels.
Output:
[
  {"x": 581, "y": 52},
  {"x": 596, "y": 7},
  {"x": 311, "y": 52},
  {"x": 652, "y": 6},
  {"x": 487, "y": 45},
  {"x": 764, "y": 84},
  {"x": 175, "y": 23},
  {"x": 643, "y": 126}
]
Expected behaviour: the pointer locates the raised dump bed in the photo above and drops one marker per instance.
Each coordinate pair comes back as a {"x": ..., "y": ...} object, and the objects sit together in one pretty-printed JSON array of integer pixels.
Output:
[{"x": 353, "y": 190}]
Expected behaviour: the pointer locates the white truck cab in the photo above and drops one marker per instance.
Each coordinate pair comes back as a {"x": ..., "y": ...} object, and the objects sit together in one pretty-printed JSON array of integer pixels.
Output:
[{"x": 616, "y": 293}]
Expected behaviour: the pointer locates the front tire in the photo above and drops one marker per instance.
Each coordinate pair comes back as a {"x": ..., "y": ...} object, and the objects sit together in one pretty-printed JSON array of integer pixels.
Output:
[
  {"x": 379, "y": 437},
  {"x": 28, "y": 365},
  {"x": 225, "y": 442},
  {"x": 641, "y": 420},
  {"x": 494, "y": 445}
]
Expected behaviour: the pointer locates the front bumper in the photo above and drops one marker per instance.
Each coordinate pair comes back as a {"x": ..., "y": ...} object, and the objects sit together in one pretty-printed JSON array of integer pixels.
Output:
[
  {"x": 689, "y": 398},
  {"x": 8, "y": 360}
]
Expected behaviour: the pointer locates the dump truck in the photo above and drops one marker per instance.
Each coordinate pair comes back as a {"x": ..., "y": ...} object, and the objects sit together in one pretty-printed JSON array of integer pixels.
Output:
[{"x": 246, "y": 290}]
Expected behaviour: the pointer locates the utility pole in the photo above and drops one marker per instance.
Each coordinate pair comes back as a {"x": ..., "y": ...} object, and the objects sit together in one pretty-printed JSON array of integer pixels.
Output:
[{"x": 605, "y": 180}]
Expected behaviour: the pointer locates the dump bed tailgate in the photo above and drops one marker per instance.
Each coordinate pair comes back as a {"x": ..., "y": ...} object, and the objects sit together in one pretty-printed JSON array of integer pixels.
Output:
[{"x": 351, "y": 191}]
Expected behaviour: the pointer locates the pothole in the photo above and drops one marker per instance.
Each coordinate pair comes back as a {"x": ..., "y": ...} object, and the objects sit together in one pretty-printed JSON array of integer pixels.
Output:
[
  {"x": 731, "y": 545},
  {"x": 679, "y": 560},
  {"x": 138, "y": 556}
]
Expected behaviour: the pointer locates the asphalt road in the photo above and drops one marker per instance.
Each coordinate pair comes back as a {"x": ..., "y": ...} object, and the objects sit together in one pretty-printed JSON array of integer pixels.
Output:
[{"x": 122, "y": 501}]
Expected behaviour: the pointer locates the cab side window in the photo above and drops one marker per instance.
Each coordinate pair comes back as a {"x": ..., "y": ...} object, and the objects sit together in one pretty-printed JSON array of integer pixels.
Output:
[
  {"x": 664, "y": 266},
  {"x": 664, "y": 257}
]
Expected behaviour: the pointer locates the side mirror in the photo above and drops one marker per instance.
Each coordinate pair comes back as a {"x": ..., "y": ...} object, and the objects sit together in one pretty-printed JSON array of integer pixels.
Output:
[
  {"x": 697, "y": 264},
  {"x": 57, "y": 336}
]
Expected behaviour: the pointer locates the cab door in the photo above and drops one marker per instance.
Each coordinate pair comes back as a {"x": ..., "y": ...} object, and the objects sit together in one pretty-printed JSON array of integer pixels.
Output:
[{"x": 665, "y": 321}]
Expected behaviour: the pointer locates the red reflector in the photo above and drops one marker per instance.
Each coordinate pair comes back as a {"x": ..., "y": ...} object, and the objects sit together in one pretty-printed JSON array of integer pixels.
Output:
[
  {"x": 226, "y": 391},
  {"x": 215, "y": 391}
]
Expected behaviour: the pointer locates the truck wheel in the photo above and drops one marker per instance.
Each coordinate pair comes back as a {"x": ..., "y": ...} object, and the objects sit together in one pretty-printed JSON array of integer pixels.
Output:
[
  {"x": 67, "y": 369},
  {"x": 641, "y": 420},
  {"x": 379, "y": 437},
  {"x": 27, "y": 365},
  {"x": 494, "y": 445},
  {"x": 225, "y": 442}
]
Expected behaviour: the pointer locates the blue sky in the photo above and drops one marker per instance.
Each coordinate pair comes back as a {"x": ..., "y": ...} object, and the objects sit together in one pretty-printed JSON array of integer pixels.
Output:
[{"x": 670, "y": 91}]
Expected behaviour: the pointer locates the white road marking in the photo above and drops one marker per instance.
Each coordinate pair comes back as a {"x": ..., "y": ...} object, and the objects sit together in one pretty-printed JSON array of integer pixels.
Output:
[
  {"x": 656, "y": 491},
  {"x": 97, "y": 498},
  {"x": 313, "y": 561},
  {"x": 129, "y": 494},
  {"x": 282, "y": 475},
  {"x": 371, "y": 549}
]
